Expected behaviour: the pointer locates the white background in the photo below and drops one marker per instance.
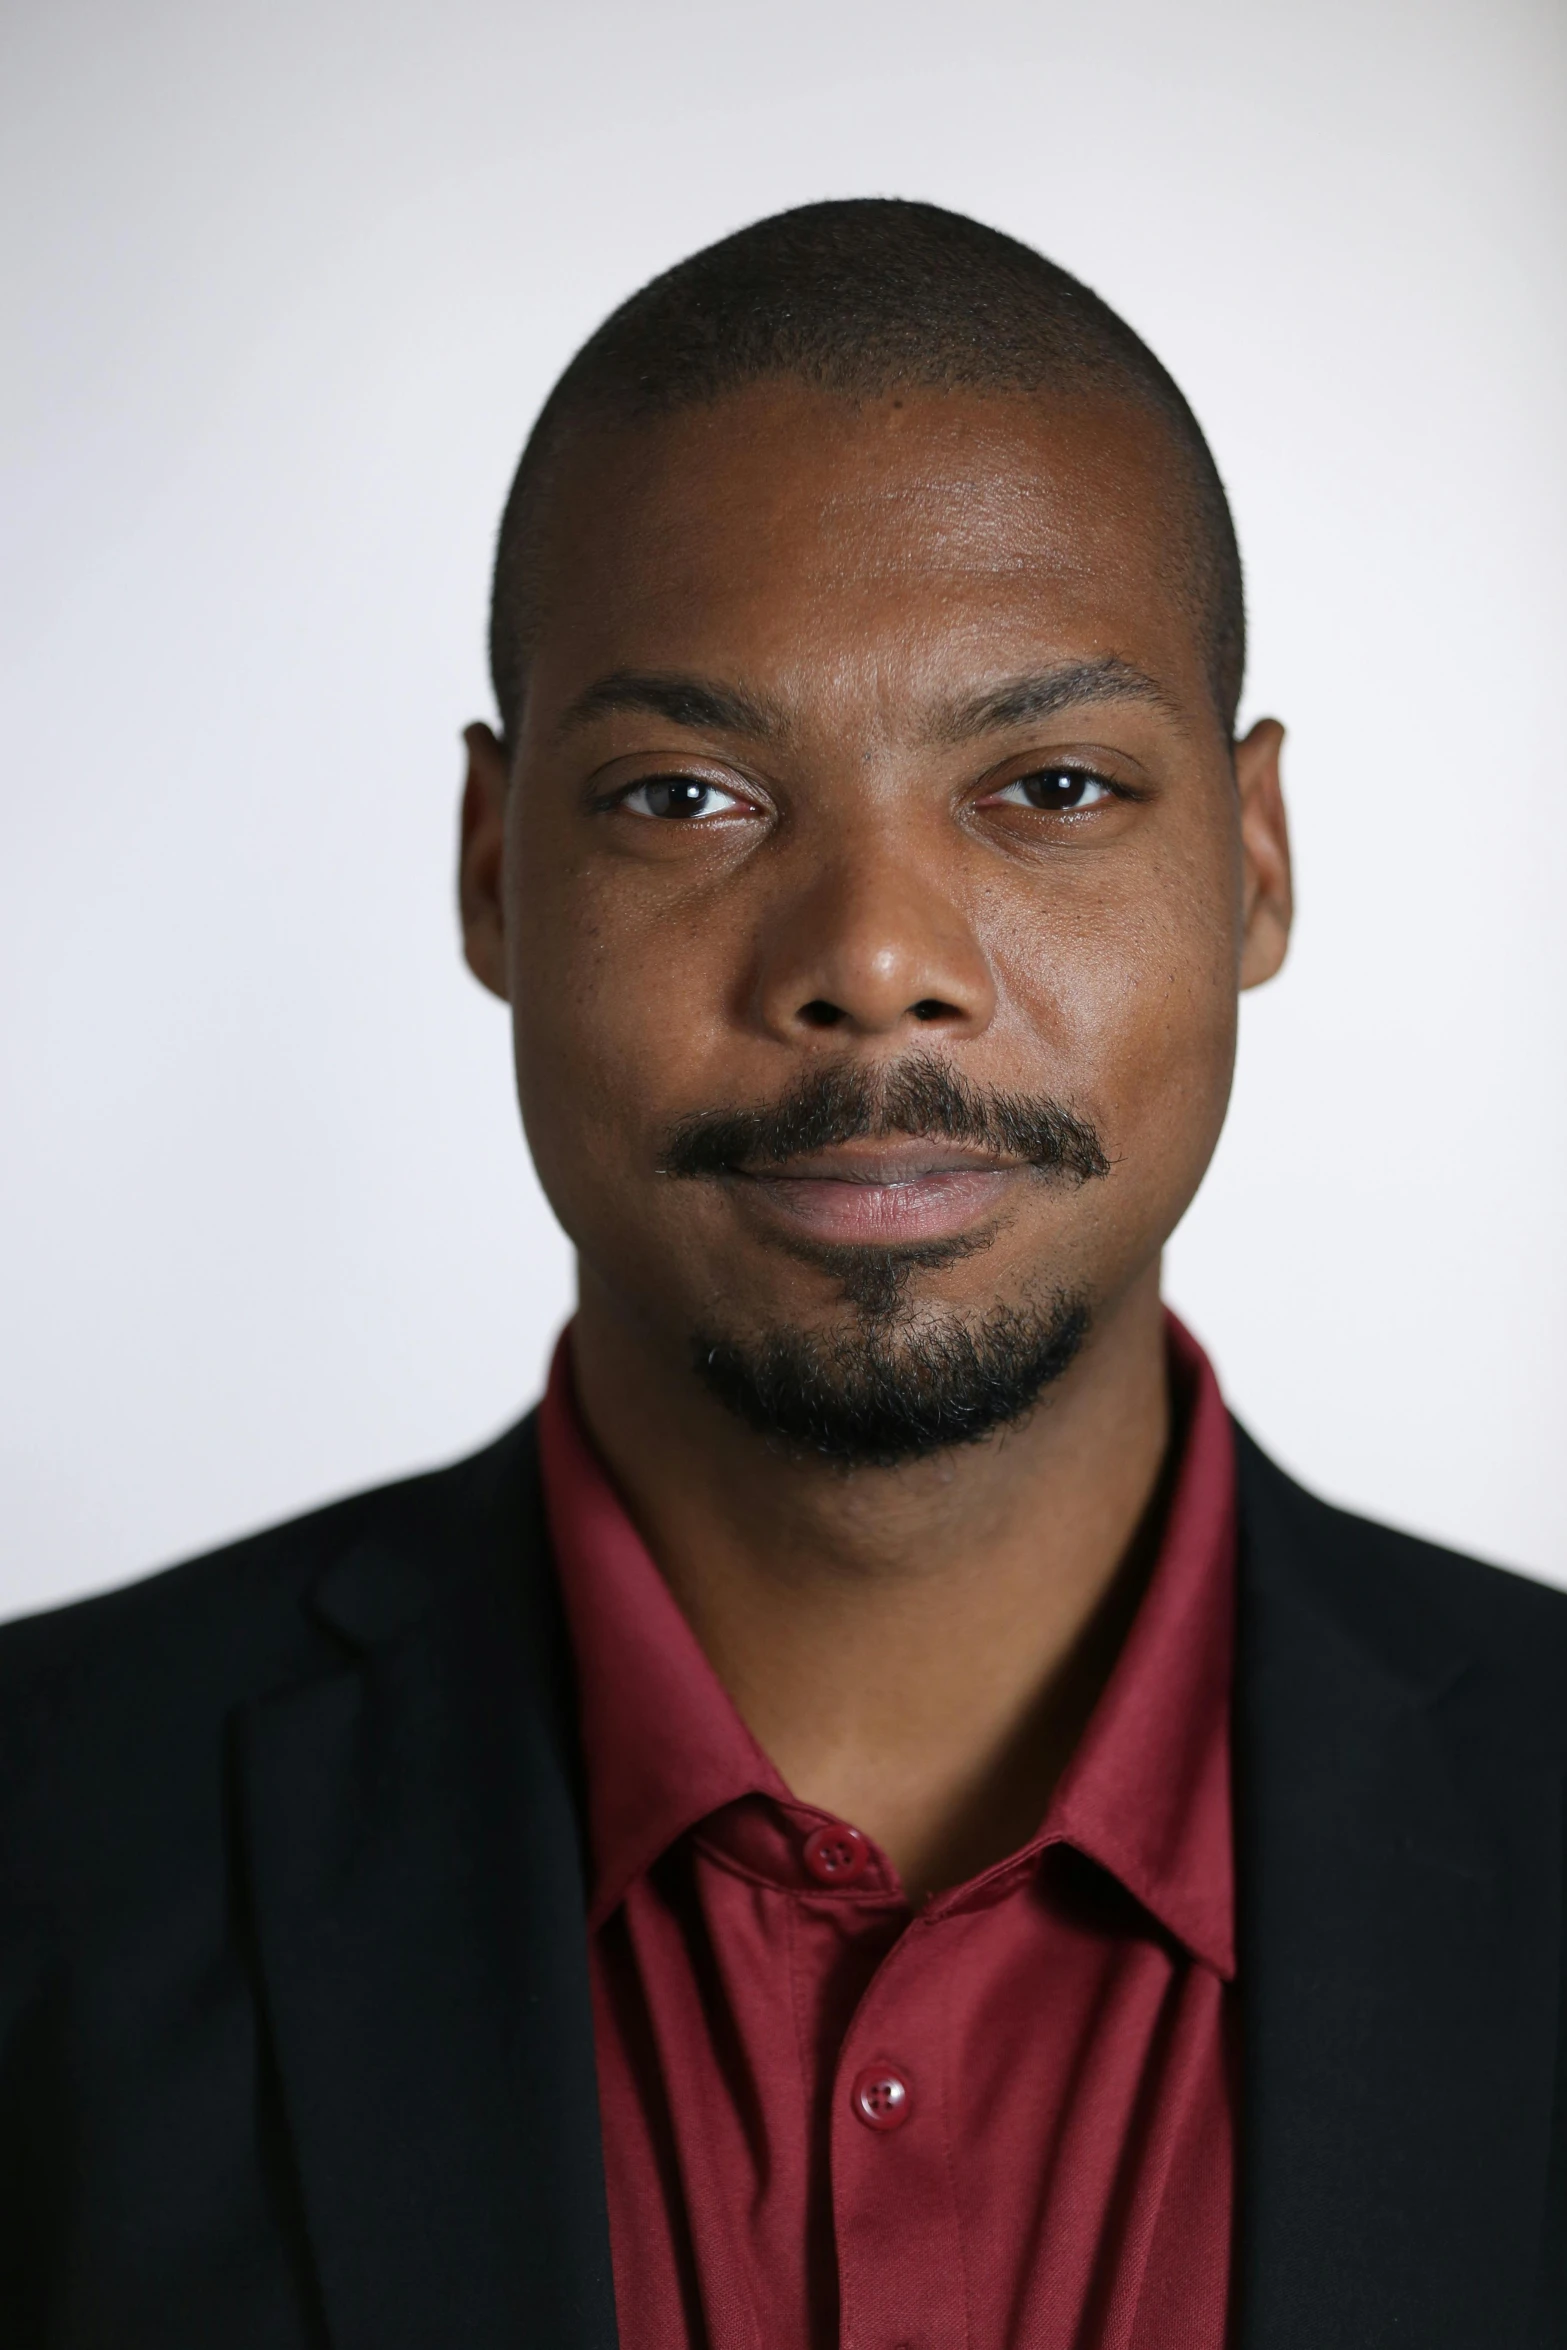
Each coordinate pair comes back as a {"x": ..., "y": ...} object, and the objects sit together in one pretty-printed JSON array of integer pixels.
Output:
[{"x": 287, "y": 284}]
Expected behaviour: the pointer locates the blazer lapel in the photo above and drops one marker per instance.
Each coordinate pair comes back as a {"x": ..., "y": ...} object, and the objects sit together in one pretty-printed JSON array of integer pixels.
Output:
[
  {"x": 1400, "y": 1871},
  {"x": 415, "y": 1875}
]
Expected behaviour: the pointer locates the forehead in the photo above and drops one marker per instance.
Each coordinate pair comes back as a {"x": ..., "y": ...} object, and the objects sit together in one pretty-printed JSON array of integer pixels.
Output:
[{"x": 820, "y": 541}]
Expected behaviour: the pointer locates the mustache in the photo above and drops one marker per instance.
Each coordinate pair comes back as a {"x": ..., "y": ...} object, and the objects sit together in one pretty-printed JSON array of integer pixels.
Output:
[{"x": 847, "y": 1102}]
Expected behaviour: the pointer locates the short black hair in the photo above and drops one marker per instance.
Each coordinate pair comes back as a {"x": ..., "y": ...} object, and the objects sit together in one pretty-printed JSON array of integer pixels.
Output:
[{"x": 865, "y": 297}]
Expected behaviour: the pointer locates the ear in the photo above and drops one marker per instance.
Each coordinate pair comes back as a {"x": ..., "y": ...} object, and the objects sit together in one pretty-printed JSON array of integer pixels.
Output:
[
  {"x": 1268, "y": 901},
  {"x": 481, "y": 860}
]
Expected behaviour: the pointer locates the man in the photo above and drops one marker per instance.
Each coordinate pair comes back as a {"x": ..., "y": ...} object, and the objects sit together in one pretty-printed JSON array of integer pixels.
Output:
[{"x": 876, "y": 1816}]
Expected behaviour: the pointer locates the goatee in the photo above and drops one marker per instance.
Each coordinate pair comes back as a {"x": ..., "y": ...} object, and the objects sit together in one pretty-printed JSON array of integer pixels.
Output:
[
  {"x": 900, "y": 1381},
  {"x": 895, "y": 1388}
]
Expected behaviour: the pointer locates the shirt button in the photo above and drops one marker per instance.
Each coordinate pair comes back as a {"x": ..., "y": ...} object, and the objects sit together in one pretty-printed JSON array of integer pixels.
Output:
[
  {"x": 881, "y": 2098},
  {"x": 836, "y": 1856}
]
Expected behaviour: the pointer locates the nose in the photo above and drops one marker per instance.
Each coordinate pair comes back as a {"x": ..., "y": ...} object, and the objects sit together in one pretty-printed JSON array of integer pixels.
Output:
[{"x": 874, "y": 944}]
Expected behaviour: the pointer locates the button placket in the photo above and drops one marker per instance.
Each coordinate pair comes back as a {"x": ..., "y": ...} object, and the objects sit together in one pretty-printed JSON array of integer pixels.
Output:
[{"x": 900, "y": 2261}]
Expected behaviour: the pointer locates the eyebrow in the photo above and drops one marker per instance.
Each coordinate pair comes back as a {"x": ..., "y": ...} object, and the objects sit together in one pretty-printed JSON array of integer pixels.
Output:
[
  {"x": 696, "y": 702},
  {"x": 1041, "y": 693},
  {"x": 704, "y": 705}
]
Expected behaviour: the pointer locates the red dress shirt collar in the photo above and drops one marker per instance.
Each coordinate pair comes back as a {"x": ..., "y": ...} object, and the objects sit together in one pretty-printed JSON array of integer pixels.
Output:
[{"x": 1146, "y": 1796}]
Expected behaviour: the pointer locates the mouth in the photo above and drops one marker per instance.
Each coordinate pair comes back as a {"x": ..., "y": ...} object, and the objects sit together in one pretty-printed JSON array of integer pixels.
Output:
[{"x": 898, "y": 1193}]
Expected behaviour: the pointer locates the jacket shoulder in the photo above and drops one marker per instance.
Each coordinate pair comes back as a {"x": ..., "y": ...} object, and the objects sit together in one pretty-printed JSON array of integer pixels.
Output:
[
  {"x": 1427, "y": 1609},
  {"x": 199, "y": 1637}
]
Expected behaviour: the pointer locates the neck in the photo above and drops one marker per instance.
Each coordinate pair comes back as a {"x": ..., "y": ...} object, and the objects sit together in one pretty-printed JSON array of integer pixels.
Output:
[{"x": 917, "y": 1648}]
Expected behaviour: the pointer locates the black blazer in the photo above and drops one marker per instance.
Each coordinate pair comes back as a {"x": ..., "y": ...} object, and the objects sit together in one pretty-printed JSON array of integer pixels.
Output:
[{"x": 295, "y": 2045}]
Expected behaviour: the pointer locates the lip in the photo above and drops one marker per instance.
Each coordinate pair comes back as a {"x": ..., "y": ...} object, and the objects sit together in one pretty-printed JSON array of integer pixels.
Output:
[{"x": 892, "y": 1193}]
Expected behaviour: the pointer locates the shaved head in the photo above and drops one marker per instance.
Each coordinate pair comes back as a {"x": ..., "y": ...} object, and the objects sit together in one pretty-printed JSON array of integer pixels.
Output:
[{"x": 865, "y": 299}]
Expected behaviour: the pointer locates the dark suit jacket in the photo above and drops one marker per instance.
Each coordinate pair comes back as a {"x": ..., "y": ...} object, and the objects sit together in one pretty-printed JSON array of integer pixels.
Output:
[{"x": 295, "y": 2044}]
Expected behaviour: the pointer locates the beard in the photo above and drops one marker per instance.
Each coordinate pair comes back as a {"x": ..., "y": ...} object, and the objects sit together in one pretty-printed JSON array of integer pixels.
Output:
[
  {"x": 894, "y": 1387},
  {"x": 900, "y": 1380}
]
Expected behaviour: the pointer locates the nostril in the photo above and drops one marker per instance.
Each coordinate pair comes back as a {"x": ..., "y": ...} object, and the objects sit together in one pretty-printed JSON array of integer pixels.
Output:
[
  {"x": 818, "y": 1013},
  {"x": 931, "y": 1007}
]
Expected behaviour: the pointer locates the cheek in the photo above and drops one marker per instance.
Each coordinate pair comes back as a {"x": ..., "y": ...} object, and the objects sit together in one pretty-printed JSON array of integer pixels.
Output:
[
  {"x": 561, "y": 989},
  {"x": 606, "y": 1006},
  {"x": 1131, "y": 987}
]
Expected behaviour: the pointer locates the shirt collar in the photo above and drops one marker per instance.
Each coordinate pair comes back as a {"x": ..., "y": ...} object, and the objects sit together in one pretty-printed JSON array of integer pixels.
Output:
[
  {"x": 663, "y": 1742},
  {"x": 1146, "y": 1796}
]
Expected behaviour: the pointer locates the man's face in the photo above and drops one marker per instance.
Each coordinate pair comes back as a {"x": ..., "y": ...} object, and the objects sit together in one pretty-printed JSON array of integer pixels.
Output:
[{"x": 873, "y": 878}]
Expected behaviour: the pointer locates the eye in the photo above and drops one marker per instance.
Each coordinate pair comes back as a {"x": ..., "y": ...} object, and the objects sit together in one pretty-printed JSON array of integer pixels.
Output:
[
  {"x": 681, "y": 797},
  {"x": 1061, "y": 791}
]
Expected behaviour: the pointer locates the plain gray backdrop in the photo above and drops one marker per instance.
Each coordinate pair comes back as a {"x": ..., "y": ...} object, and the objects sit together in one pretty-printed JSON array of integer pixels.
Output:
[{"x": 284, "y": 288}]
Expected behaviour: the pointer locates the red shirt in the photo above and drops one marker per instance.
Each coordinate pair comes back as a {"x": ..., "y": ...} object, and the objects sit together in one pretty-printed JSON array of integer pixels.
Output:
[{"x": 1002, "y": 2120}]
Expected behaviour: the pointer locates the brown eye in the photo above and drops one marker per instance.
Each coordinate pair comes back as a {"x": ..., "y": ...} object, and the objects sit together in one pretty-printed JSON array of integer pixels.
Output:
[
  {"x": 1060, "y": 791},
  {"x": 680, "y": 796}
]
